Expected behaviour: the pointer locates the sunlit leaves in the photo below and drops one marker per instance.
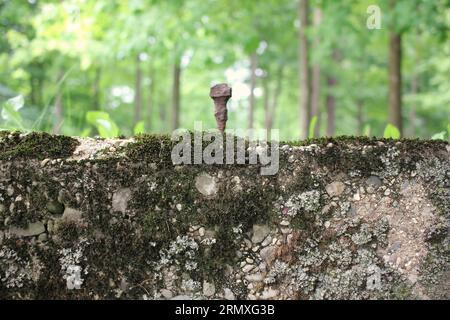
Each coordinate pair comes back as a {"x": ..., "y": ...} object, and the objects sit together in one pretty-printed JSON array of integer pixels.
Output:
[
  {"x": 312, "y": 126},
  {"x": 391, "y": 131},
  {"x": 105, "y": 126},
  {"x": 139, "y": 128},
  {"x": 442, "y": 135},
  {"x": 10, "y": 112},
  {"x": 439, "y": 136}
]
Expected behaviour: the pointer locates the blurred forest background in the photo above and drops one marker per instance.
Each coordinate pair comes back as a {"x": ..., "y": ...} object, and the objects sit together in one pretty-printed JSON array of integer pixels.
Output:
[{"x": 307, "y": 67}]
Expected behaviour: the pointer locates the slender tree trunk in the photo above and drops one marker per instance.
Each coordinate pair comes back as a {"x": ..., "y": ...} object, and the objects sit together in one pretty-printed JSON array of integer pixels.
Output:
[
  {"x": 395, "y": 77},
  {"x": 96, "y": 89},
  {"x": 276, "y": 96},
  {"x": 33, "y": 94},
  {"x": 151, "y": 90},
  {"x": 253, "y": 65},
  {"x": 37, "y": 77},
  {"x": 315, "y": 90},
  {"x": 163, "y": 116},
  {"x": 58, "y": 113},
  {"x": 137, "y": 92},
  {"x": 40, "y": 90},
  {"x": 267, "y": 114},
  {"x": 176, "y": 95},
  {"x": 315, "y": 97},
  {"x": 331, "y": 98},
  {"x": 412, "y": 111},
  {"x": 270, "y": 108},
  {"x": 331, "y": 105},
  {"x": 304, "y": 72},
  {"x": 360, "y": 116}
]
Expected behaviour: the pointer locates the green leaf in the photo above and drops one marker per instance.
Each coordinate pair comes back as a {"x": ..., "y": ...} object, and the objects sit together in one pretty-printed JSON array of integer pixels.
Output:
[
  {"x": 139, "y": 128},
  {"x": 104, "y": 124},
  {"x": 86, "y": 132},
  {"x": 312, "y": 126},
  {"x": 16, "y": 103},
  {"x": 366, "y": 130},
  {"x": 391, "y": 131},
  {"x": 448, "y": 130},
  {"x": 10, "y": 111},
  {"x": 439, "y": 136},
  {"x": 251, "y": 45}
]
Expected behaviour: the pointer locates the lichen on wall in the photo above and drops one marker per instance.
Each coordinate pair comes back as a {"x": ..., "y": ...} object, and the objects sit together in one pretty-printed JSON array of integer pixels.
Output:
[{"x": 344, "y": 218}]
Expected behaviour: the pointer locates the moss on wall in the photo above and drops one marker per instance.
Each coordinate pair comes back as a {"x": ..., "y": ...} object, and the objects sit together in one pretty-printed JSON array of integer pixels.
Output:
[{"x": 36, "y": 145}]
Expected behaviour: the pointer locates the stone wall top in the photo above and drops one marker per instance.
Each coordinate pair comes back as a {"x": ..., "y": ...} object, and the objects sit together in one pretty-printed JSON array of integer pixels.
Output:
[{"x": 344, "y": 218}]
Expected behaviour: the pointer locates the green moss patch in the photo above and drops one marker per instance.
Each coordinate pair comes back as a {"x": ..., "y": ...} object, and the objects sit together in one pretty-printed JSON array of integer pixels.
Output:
[{"x": 35, "y": 145}]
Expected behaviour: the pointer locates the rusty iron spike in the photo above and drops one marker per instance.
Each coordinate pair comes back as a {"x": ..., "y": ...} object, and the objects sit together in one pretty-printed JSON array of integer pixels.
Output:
[{"x": 220, "y": 93}]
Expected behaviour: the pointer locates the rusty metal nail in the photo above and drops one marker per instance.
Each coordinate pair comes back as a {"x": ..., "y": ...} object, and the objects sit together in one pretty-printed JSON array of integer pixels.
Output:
[{"x": 220, "y": 93}]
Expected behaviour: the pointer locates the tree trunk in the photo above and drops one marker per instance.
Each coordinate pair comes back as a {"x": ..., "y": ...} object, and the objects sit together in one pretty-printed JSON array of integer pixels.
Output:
[
  {"x": 40, "y": 90},
  {"x": 251, "y": 114},
  {"x": 58, "y": 113},
  {"x": 331, "y": 98},
  {"x": 96, "y": 89},
  {"x": 412, "y": 111},
  {"x": 151, "y": 90},
  {"x": 395, "y": 77},
  {"x": 37, "y": 76},
  {"x": 331, "y": 105},
  {"x": 304, "y": 72},
  {"x": 270, "y": 108},
  {"x": 360, "y": 116},
  {"x": 267, "y": 114},
  {"x": 315, "y": 98},
  {"x": 315, "y": 90},
  {"x": 163, "y": 116},
  {"x": 33, "y": 92},
  {"x": 137, "y": 92},
  {"x": 276, "y": 96},
  {"x": 176, "y": 95}
]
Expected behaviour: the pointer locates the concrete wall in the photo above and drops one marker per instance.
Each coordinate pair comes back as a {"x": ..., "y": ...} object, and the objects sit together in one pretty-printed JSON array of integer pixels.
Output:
[{"x": 343, "y": 219}]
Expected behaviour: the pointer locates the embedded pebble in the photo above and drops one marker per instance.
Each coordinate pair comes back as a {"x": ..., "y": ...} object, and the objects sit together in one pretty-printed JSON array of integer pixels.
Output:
[
  {"x": 260, "y": 232},
  {"x": 248, "y": 268},
  {"x": 208, "y": 289},
  {"x": 335, "y": 188},
  {"x": 166, "y": 293},
  {"x": 228, "y": 294},
  {"x": 266, "y": 241},
  {"x": 206, "y": 184}
]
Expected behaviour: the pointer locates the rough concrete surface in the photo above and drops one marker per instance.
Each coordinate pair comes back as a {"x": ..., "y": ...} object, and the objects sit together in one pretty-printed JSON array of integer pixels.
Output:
[{"x": 344, "y": 218}]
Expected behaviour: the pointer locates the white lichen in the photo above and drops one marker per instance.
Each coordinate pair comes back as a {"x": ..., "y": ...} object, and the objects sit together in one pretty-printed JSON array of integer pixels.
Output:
[
  {"x": 308, "y": 201},
  {"x": 70, "y": 260},
  {"x": 14, "y": 270}
]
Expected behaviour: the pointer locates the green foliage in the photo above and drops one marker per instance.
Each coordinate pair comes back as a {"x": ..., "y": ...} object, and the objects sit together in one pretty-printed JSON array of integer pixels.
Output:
[
  {"x": 366, "y": 130},
  {"x": 391, "y": 131},
  {"x": 139, "y": 128},
  {"x": 83, "y": 55},
  {"x": 103, "y": 123},
  {"x": 439, "y": 136},
  {"x": 312, "y": 127},
  {"x": 10, "y": 113},
  {"x": 86, "y": 132}
]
